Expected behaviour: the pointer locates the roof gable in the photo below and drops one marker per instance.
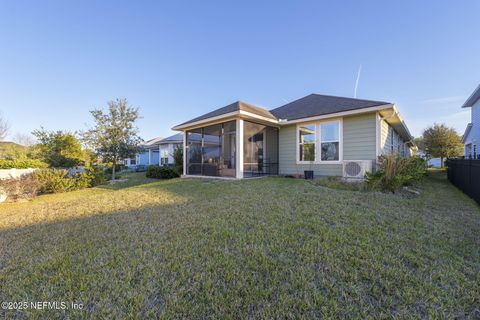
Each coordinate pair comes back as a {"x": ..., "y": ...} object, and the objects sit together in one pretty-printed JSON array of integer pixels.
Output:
[
  {"x": 465, "y": 137},
  {"x": 473, "y": 98},
  {"x": 175, "y": 138},
  {"x": 317, "y": 105},
  {"x": 234, "y": 107}
]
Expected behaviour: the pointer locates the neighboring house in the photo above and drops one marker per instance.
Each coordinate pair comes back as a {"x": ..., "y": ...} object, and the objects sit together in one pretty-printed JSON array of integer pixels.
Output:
[
  {"x": 333, "y": 136},
  {"x": 471, "y": 137},
  {"x": 157, "y": 151}
]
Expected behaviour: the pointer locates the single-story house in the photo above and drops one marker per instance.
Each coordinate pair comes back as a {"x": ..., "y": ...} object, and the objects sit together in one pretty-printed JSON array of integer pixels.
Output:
[
  {"x": 471, "y": 137},
  {"x": 156, "y": 151},
  {"x": 332, "y": 136}
]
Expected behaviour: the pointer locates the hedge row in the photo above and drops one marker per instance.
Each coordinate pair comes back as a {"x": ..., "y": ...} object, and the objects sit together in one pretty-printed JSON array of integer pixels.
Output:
[
  {"x": 161, "y": 172},
  {"x": 22, "y": 164}
]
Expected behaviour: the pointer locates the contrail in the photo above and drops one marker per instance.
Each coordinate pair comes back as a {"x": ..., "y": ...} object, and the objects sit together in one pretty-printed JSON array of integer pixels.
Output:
[{"x": 356, "y": 82}]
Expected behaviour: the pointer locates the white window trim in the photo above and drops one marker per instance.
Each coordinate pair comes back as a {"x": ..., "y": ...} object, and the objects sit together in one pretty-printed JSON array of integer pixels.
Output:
[
  {"x": 318, "y": 142},
  {"x": 297, "y": 141}
]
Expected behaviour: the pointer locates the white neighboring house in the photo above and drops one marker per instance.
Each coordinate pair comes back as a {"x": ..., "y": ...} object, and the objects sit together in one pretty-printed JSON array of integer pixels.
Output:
[
  {"x": 156, "y": 151},
  {"x": 471, "y": 137}
]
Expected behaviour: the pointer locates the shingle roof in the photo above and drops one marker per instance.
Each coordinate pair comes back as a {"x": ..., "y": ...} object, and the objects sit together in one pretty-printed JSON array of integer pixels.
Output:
[
  {"x": 236, "y": 106},
  {"x": 473, "y": 98},
  {"x": 317, "y": 105},
  {"x": 151, "y": 142},
  {"x": 175, "y": 138}
]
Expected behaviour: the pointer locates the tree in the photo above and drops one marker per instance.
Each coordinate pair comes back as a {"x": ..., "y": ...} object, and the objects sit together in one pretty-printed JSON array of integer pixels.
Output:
[
  {"x": 419, "y": 143},
  {"x": 178, "y": 160},
  {"x": 115, "y": 135},
  {"x": 4, "y": 127},
  {"x": 59, "y": 149},
  {"x": 442, "y": 142},
  {"x": 23, "y": 139}
]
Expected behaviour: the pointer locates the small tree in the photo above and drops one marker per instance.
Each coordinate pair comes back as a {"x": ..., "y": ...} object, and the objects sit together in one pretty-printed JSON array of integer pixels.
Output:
[
  {"x": 178, "y": 160},
  {"x": 442, "y": 142},
  {"x": 4, "y": 127},
  {"x": 115, "y": 135},
  {"x": 59, "y": 149}
]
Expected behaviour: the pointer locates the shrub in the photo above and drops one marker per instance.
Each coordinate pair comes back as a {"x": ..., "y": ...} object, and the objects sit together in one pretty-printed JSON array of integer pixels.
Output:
[
  {"x": 21, "y": 164},
  {"x": 161, "y": 172},
  {"x": 178, "y": 160},
  {"x": 394, "y": 172},
  {"x": 20, "y": 188},
  {"x": 97, "y": 176},
  {"x": 118, "y": 168},
  {"x": 54, "y": 181},
  {"x": 140, "y": 168},
  {"x": 58, "y": 180}
]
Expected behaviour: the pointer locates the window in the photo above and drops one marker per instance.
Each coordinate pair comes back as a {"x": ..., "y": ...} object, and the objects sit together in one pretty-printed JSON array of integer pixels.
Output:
[
  {"x": 319, "y": 142},
  {"x": 330, "y": 141},
  {"x": 163, "y": 156},
  {"x": 306, "y": 141}
]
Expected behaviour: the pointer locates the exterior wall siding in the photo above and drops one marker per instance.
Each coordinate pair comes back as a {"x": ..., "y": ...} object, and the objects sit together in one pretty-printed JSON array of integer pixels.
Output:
[
  {"x": 143, "y": 158},
  {"x": 390, "y": 138},
  {"x": 359, "y": 143},
  {"x": 359, "y": 137},
  {"x": 474, "y": 135}
]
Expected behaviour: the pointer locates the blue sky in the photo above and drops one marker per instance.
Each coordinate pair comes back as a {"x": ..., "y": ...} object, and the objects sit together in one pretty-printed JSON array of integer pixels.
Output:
[{"x": 176, "y": 60}]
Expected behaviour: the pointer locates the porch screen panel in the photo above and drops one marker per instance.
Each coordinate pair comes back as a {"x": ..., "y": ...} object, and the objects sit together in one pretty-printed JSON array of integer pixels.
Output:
[{"x": 194, "y": 151}]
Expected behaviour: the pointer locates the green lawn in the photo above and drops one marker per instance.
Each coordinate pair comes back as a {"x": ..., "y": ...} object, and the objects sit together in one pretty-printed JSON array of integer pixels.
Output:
[{"x": 262, "y": 248}]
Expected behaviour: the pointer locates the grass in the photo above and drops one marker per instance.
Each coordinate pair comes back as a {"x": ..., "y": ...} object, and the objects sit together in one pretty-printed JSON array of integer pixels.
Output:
[
  {"x": 338, "y": 183},
  {"x": 262, "y": 248}
]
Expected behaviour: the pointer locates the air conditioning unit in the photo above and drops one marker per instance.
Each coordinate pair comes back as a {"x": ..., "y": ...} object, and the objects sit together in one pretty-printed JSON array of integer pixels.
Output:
[{"x": 356, "y": 169}]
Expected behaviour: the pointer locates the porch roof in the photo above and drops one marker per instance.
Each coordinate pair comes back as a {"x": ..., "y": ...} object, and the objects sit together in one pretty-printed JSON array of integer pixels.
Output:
[{"x": 231, "y": 109}]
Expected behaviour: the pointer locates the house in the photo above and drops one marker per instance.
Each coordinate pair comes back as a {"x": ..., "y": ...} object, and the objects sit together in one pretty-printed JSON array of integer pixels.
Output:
[
  {"x": 157, "y": 151},
  {"x": 332, "y": 136},
  {"x": 471, "y": 137}
]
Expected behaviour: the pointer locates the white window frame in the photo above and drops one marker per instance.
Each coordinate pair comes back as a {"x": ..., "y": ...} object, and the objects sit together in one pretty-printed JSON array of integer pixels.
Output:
[
  {"x": 297, "y": 142},
  {"x": 318, "y": 142}
]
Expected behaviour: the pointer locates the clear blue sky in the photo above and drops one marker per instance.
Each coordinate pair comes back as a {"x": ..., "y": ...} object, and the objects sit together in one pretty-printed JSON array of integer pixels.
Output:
[{"x": 176, "y": 60}]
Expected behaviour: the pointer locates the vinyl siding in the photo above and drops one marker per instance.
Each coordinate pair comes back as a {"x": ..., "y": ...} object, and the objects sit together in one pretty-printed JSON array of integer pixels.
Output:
[
  {"x": 474, "y": 134},
  {"x": 359, "y": 137},
  {"x": 388, "y": 138},
  {"x": 359, "y": 143},
  {"x": 287, "y": 156}
]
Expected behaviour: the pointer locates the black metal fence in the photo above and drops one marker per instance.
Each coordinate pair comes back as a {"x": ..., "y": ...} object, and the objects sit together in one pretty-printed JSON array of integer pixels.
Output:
[{"x": 465, "y": 175}]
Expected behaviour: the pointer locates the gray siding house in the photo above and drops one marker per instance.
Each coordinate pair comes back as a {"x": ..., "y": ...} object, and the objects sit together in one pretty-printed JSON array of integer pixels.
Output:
[
  {"x": 471, "y": 137},
  {"x": 332, "y": 136}
]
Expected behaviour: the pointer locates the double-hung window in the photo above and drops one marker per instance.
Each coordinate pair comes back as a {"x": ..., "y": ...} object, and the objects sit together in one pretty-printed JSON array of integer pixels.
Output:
[
  {"x": 319, "y": 142},
  {"x": 330, "y": 141},
  {"x": 307, "y": 140}
]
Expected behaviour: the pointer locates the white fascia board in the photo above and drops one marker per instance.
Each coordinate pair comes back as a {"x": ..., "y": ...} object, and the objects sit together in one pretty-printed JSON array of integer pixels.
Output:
[
  {"x": 224, "y": 116},
  {"x": 338, "y": 114},
  {"x": 203, "y": 121}
]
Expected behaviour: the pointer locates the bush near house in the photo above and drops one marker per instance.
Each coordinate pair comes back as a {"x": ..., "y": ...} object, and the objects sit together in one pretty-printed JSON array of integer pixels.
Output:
[
  {"x": 21, "y": 164},
  {"x": 161, "y": 172},
  {"x": 395, "y": 172}
]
